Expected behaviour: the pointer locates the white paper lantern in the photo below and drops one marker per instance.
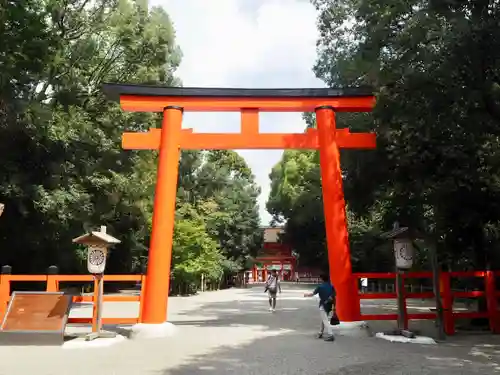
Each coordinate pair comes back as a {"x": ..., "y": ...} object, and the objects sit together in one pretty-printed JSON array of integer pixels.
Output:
[
  {"x": 403, "y": 251},
  {"x": 96, "y": 259}
]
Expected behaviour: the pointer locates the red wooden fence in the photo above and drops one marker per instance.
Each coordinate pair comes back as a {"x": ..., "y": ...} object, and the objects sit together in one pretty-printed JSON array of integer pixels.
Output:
[
  {"x": 52, "y": 285},
  {"x": 447, "y": 297}
]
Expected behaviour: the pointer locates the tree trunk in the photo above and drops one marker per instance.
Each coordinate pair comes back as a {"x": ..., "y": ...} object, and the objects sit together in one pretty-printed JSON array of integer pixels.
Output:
[{"x": 220, "y": 282}]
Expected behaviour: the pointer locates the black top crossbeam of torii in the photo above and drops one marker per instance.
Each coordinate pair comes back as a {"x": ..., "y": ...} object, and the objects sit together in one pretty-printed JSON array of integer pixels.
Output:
[{"x": 115, "y": 90}]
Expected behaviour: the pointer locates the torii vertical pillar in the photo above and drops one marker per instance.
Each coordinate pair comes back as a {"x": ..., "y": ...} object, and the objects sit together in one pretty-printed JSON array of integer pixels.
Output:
[
  {"x": 339, "y": 257},
  {"x": 154, "y": 309}
]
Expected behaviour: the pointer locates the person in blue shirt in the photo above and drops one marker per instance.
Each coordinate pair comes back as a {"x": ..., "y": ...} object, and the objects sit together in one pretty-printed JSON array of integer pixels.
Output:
[{"x": 326, "y": 293}]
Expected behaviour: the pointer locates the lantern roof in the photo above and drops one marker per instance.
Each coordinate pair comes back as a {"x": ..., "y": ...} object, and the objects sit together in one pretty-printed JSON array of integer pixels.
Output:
[
  {"x": 97, "y": 238},
  {"x": 396, "y": 232}
]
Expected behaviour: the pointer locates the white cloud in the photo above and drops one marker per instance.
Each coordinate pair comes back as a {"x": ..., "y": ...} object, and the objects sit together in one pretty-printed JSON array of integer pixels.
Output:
[{"x": 246, "y": 43}]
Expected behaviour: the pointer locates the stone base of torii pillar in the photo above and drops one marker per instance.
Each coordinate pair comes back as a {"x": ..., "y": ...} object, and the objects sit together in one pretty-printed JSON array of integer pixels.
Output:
[{"x": 152, "y": 331}]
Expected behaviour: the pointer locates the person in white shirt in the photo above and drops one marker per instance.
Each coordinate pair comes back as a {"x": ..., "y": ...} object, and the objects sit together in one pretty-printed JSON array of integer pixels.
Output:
[
  {"x": 364, "y": 285},
  {"x": 272, "y": 286}
]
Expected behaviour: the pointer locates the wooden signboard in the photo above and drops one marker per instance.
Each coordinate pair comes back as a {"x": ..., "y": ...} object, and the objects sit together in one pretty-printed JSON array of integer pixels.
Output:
[{"x": 35, "y": 318}]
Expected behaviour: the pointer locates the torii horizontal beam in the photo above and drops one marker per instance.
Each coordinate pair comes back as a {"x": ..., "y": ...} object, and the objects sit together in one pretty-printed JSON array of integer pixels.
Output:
[
  {"x": 262, "y": 141},
  {"x": 248, "y": 138},
  {"x": 156, "y": 104}
]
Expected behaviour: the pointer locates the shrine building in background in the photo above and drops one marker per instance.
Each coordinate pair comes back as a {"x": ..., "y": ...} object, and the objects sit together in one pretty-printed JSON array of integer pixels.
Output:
[{"x": 274, "y": 255}]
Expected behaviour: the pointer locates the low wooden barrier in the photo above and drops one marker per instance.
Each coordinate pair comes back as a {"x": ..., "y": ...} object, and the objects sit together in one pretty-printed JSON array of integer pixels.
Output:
[
  {"x": 52, "y": 280},
  {"x": 447, "y": 297}
]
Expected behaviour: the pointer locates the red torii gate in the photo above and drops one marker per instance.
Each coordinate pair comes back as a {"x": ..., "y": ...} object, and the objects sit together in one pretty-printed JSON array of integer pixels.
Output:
[{"x": 172, "y": 101}]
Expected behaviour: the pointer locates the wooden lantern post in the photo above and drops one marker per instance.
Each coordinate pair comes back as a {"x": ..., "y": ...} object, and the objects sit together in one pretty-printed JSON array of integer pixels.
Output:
[
  {"x": 98, "y": 244},
  {"x": 403, "y": 256}
]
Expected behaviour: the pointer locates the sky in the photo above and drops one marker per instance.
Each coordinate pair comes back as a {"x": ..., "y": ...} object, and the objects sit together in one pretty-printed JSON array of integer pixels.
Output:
[{"x": 246, "y": 44}]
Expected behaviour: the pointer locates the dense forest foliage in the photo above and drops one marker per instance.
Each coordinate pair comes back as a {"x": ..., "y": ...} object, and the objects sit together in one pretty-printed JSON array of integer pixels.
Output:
[
  {"x": 62, "y": 169},
  {"x": 435, "y": 68}
]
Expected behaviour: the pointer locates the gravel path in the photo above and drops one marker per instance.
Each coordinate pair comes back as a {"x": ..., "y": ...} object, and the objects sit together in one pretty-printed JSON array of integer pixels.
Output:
[{"x": 231, "y": 332}]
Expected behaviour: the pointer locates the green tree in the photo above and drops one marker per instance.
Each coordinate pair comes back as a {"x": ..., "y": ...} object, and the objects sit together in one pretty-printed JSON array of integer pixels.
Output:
[
  {"x": 296, "y": 199},
  {"x": 221, "y": 185},
  {"x": 434, "y": 68},
  {"x": 62, "y": 168},
  {"x": 195, "y": 252},
  {"x": 217, "y": 197}
]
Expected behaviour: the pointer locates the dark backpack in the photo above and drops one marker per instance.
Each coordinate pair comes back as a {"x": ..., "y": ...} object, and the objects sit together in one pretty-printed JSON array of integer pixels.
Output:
[{"x": 272, "y": 289}]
